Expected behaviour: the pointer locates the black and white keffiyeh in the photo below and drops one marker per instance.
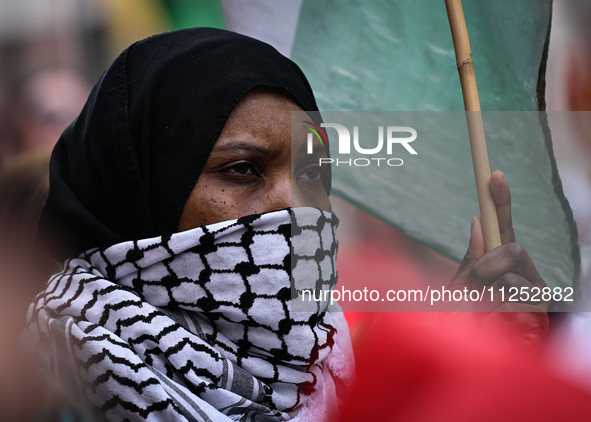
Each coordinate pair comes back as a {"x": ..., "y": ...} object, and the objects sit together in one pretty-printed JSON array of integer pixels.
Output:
[{"x": 198, "y": 325}]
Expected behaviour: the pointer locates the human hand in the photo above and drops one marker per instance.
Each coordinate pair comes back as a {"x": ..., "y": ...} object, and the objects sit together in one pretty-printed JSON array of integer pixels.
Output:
[{"x": 507, "y": 266}]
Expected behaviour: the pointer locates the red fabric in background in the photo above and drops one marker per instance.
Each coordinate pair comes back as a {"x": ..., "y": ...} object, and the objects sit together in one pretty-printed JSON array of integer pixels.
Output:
[
  {"x": 409, "y": 370},
  {"x": 396, "y": 263}
]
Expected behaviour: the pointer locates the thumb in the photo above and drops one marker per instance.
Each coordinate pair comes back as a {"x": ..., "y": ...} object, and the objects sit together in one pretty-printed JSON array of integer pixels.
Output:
[{"x": 476, "y": 250}]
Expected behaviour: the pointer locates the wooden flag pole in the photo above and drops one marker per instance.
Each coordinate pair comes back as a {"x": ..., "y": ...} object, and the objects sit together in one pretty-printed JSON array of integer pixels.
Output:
[{"x": 488, "y": 210}]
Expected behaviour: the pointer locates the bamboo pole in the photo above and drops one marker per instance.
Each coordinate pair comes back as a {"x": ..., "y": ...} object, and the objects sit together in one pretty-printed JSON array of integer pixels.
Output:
[{"x": 488, "y": 210}]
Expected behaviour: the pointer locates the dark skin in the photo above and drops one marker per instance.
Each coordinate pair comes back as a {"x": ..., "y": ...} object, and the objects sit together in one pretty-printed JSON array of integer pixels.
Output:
[{"x": 250, "y": 171}]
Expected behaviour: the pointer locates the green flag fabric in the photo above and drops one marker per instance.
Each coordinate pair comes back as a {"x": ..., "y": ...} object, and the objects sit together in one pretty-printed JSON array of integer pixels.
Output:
[
  {"x": 191, "y": 13},
  {"x": 398, "y": 55}
]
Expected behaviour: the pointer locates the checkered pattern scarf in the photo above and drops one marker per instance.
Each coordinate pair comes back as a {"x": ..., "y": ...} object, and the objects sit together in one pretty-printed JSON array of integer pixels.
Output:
[{"x": 198, "y": 326}]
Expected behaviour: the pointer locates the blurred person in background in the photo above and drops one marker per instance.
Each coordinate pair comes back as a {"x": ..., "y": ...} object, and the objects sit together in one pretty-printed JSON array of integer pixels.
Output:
[
  {"x": 48, "y": 49},
  {"x": 569, "y": 89},
  {"x": 25, "y": 265},
  {"x": 45, "y": 103},
  {"x": 24, "y": 183},
  {"x": 569, "y": 104}
]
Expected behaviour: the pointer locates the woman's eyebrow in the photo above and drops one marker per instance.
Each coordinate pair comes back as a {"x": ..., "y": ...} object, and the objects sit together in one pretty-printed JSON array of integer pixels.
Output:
[{"x": 245, "y": 146}]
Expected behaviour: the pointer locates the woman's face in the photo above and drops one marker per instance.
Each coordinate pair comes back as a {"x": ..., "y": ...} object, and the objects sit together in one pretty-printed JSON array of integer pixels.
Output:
[{"x": 256, "y": 167}]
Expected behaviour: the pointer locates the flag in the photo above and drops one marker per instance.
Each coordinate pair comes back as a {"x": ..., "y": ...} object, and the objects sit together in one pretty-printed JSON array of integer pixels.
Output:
[{"x": 398, "y": 55}]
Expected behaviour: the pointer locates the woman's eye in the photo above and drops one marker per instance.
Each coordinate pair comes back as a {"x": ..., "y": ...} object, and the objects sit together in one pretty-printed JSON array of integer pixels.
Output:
[
  {"x": 313, "y": 173},
  {"x": 241, "y": 168}
]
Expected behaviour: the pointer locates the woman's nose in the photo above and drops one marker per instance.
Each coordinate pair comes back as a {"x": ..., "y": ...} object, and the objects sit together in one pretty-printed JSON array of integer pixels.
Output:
[{"x": 285, "y": 194}]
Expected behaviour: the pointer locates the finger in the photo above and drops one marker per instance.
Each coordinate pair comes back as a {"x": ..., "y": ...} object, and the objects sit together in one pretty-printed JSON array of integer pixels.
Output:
[
  {"x": 502, "y": 196},
  {"x": 509, "y": 258},
  {"x": 476, "y": 250},
  {"x": 518, "y": 290}
]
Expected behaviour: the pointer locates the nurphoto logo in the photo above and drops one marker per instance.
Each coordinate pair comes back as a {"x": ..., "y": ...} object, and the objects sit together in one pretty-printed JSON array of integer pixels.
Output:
[{"x": 344, "y": 144}]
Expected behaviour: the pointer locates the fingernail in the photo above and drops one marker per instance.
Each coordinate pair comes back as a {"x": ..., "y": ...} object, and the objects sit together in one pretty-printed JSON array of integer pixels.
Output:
[{"x": 471, "y": 225}]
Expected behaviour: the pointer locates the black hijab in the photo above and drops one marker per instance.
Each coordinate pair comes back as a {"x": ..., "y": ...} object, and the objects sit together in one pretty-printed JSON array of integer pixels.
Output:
[{"x": 125, "y": 167}]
